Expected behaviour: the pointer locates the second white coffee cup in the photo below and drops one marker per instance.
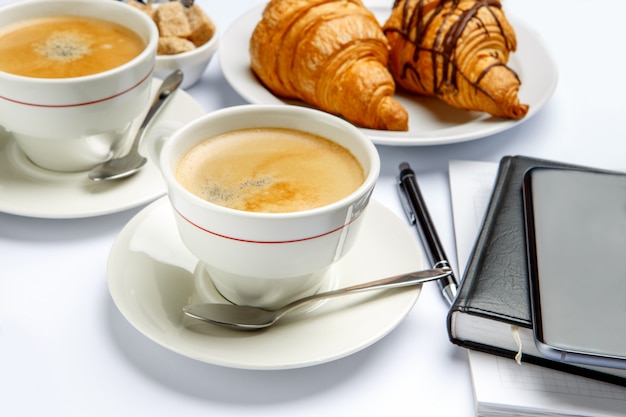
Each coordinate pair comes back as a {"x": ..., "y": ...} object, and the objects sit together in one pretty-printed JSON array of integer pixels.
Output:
[
  {"x": 268, "y": 259},
  {"x": 75, "y": 123}
]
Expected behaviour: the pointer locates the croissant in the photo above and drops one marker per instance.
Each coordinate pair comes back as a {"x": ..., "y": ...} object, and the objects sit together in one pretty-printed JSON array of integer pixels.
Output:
[
  {"x": 456, "y": 50},
  {"x": 331, "y": 54}
]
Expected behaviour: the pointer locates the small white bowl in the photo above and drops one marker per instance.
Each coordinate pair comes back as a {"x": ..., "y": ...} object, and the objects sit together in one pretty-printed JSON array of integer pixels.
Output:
[{"x": 192, "y": 63}]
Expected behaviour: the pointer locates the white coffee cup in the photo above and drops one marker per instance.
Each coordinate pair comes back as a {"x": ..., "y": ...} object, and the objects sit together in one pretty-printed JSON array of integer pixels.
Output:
[
  {"x": 73, "y": 124},
  {"x": 268, "y": 259}
]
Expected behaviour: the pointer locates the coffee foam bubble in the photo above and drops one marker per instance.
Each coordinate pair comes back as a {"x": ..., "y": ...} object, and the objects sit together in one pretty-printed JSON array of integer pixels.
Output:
[
  {"x": 234, "y": 196},
  {"x": 64, "y": 46}
]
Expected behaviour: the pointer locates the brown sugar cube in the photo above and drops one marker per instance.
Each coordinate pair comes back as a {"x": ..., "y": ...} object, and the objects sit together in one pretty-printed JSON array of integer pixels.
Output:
[
  {"x": 171, "y": 20},
  {"x": 146, "y": 8},
  {"x": 202, "y": 28},
  {"x": 171, "y": 45}
]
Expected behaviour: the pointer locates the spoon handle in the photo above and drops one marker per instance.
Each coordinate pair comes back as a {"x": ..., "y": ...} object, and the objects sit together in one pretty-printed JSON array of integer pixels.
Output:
[
  {"x": 169, "y": 85},
  {"x": 397, "y": 281}
]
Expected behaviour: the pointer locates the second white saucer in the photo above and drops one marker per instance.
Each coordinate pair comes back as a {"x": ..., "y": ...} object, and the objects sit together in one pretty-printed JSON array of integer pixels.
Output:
[
  {"x": 28, "y": 190},
  {"x": 152, "y": 276}
]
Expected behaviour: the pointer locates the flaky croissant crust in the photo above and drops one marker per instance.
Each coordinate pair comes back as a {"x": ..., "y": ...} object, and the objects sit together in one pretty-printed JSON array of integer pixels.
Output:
[
  {"x": 456, "y": 50},
  {"x": 332, "y": 54}
]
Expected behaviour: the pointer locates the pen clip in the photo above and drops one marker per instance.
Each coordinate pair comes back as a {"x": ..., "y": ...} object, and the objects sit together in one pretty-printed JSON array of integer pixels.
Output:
[{"x": 404, "y": 202}]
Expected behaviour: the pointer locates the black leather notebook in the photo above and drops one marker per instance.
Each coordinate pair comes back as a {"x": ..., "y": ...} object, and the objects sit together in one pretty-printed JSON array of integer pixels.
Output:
[{"x": 492, "y": 311}]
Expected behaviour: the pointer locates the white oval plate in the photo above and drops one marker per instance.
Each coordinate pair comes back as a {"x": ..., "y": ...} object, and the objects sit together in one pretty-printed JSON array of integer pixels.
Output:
[
  {"x": 151, "y": 277},
  {"x": 431, "y": 122}
]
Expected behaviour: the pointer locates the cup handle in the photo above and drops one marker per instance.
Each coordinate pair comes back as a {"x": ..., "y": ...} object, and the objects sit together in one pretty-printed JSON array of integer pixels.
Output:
[{"x": 156, "y": 137}]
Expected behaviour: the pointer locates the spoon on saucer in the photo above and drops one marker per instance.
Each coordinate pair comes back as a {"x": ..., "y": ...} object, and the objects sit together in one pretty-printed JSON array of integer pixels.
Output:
[
  {"x": 242, "y": 317},
  {"x": 132, "y": 162}
]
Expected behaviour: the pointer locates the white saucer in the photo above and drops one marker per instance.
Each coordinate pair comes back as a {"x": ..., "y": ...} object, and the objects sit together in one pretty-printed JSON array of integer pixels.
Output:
[
  {"x": 28, "y": 190},
  {"x": 431, "y": 122},
  {"x": 151, "y": 277}
]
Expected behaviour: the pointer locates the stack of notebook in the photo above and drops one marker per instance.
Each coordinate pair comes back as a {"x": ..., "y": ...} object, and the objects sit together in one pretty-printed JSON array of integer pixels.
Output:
[
  {"x": 492, "y": 309},
  {"x": 492, "y": 312}
]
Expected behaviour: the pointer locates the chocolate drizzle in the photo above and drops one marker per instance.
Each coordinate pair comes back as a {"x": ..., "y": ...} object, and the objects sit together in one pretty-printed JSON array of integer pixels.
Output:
[{"x": 416, "y": 22}]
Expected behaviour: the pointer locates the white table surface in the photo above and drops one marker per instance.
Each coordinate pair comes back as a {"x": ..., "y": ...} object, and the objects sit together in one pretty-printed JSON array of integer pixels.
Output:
[{"x": 67, "y": 351}]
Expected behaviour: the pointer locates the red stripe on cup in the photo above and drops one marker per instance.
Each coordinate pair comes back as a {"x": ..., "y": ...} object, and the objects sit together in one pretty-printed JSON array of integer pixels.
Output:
[
  {"x": 269, "y": 242},
  {"x": 87, "y": 103}
]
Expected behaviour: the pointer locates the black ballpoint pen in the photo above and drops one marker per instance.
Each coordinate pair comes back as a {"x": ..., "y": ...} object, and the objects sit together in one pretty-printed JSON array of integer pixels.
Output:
[{"x": 415, "y": 208}]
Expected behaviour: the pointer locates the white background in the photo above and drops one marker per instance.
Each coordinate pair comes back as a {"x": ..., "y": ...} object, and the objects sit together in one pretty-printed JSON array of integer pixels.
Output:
[{"x": 65, "y": 350}]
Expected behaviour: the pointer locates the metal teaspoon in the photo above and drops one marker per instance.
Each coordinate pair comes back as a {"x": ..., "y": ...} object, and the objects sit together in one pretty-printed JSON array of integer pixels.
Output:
[
  {"x": 130, "y": 163},
  {"x": 254, "y": 318}
]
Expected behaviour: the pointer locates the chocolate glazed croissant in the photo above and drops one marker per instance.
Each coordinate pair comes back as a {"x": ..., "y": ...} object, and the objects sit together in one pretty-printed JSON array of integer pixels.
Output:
[
  {"x": 331, "y": 54},
  {"x": 456, "y": 50}
]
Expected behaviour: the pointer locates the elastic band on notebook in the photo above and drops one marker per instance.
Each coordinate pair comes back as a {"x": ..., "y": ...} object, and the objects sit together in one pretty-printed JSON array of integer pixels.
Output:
[{"x": 518, "y": 342}]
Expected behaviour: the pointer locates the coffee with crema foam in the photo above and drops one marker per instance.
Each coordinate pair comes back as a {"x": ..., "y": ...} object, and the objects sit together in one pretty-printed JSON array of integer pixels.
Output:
[
  {"x": 270, "y": 170},
  {"x": 66, "y": 46}
]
